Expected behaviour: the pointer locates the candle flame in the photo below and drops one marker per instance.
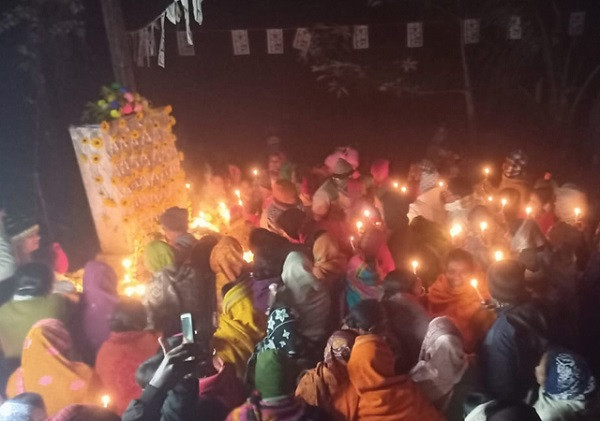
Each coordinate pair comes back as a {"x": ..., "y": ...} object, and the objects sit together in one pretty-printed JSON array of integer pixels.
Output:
[
  {"x": 528, "y": 210},
  {"x": 404, "y": 189},
  {"x": 367, "y": 213},
  {"x": 498, "y": 255},
  {"x": 188, "y": 186},
  {"x": 414, "y": 264},
  {"x": 474, "y": 283},
  {"x": 238, "y": 193},
  {"x": 129, "y": 291},
  {"x": 487, "y": 170},
  {"x": 441, "y": 183},
  {"x": 395, "y": 184},
  {"x": 255, "y": 172},
  {"x": 577, "y": 211},
  {"x": 105, "y": 401},
  {"x": 483, "y": 225},
  {"x": 248, "y": 256},
  {"x": 504, "y": 201},
  {"x": 140, "y": 290},
  {"x": 455, "y": 230},
  {"x": 359, "y": 225},
  {"x": 490, "y": 198},
  {"x": 126, "y": 263}
]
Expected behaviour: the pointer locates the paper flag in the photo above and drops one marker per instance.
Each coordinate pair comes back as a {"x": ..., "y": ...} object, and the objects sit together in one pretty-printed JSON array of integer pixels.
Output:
[
  {"x": 414, "y": 34},
  {"x": 471, "y": 31},
  {"x": 241, "y": 44},
  {"x": 576, "y": 24},
  {"x": 275, "y": 41},
  {"x": 197, "y": 8},
  {"x": 161, "y": 46},
  {"x": 360, "y": 38},
  {"x": 302, "y": 39},
  {"x": 515, "y": 30},
  {"x": 183, "y": 47}
]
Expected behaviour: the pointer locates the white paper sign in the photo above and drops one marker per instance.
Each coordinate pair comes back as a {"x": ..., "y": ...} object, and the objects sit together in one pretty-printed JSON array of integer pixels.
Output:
[
  {"x": 161, "y": 45},
  {"x": 302, "y": 39},
  {"x": 471, "y": 31},
  {"x": 275, "y": 41},
  {"x": 241, "y": 44},
  {"x": 183, "y": 47},
  {"x": 576, "y": 23},
  {"x": 414, "y": 34},
  {"x": 515, "y": 30},
  {"x": 360, "y": 37}
]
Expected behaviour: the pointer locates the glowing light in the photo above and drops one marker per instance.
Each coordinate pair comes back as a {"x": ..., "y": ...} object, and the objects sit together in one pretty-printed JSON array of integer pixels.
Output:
[
  {"x": 105, "y": 401},
  {"x": 403, "y": 189},
  {"x": 255, "y": 172},
  {"x": 129, "y": 291},
  {"x": 238, "y": 193},
  {"x": 474, "y": 284},
  {"x": 248, "y": 256},
  {"x": 441, "y": 183},
  {"x": 224, "y": 212},
  {"x": 395, "y": 184},
  {"x": 528, "y": 210},
  {"x": 140, "y": 290},
  {"x": 367, "y": 213},
  {"x": 498, "y": 255},
  {"x": 126, "y": 278},
  {"x": 359, "y": 225},
  {"x": 490, "y": 199},
  {"x": 378, "y": 223},
  {"x": 577, "y": 212},
  {"x": 203, "y": 221},
  {"x": 415, "y": 265},
  {"x": 188, "y": 186},
  {"x": 504, "y": 201},
  {"x": 126, "y": 263},
  {"x": 487, "y": 171},
  {"x": 483, "y": 225},
  {"x": 456, "y": 230}
]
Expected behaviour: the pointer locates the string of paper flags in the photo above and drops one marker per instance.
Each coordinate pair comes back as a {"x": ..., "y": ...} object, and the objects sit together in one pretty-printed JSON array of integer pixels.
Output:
[{"x": 180, "y": 9}]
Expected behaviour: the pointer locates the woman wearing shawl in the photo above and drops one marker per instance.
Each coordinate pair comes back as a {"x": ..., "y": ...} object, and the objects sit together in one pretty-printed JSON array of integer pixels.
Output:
[
  {"x": 383, "y": 395},
  {"x": 452, "y": 295},
  {"x": 47, "y": 370},
  {"x": 126, "y": 348},
  {"x": 327, "y": 386},
  {"x": 275, "y": 401},
  {"x": 241, "y": 327},
  {"x": 442, "y": 362},
  {"x": 98, "y": 300},
  {"x": 226, "y": 261},
  {"x": 329, "y": 262},
  {"x": 567, "y": 388}
]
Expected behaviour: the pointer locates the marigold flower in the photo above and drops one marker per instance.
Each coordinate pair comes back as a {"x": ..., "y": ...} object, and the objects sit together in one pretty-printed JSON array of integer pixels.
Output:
[
  {"x": 97, "y": 142},
  {"x": 95, "y": 158}
]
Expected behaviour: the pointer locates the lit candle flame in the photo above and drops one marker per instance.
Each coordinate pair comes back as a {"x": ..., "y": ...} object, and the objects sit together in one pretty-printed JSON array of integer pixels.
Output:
[
  {"x": 490, "y": 198},
  {"x": 455, "y": 230},
  {"x": 238, "y": 193},
  {"x": 474, "y": 284},
  {"x": 528, "y": 210},
  {"x": 403, "y": 189},
  {"x": 188, "y": 186},
  {"x": 105, "y": 401},
  {"x": 224, "y": 212},
  {"x": 255, "y": 172},
  {"x": 367, "y": 213},
  {"x": 126, "y": 278},
  {"x": 577, "y": 212},
  {"x": 486, "y": 171},
  {"x": 248, "y": 256},
  {"x": 504, "y": 201},
  {"x": 359, "y": 225},
  {"x": 129, "y": 291},
  {"x": 396, "y": 184},
  {"x": 498, "y": 255},
  {"x": 483, "y": 225},
  {"x": 126, "y": 263},
  {"x": 140, "y": 290},
  {"x": 415, "y": 265},
  {"x": 441, "y": 183}
]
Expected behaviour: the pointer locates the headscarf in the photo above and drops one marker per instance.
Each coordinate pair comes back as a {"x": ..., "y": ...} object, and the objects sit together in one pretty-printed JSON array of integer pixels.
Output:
[
  {"x": 281, "y": 331},
  {"x": 226, "y": 261},
  {"x": 429, "y": 176},
  {"x": 463, "y": 307},
  {"x": 362, "y": 282},
  {"x": 158, "y": 255},
  {"x": 329, "y": 262},
  {"x": 568, "y": 376},
  {"x": 382, "y": 394},
  {"x": 241, "y": 327},
  {"x": 515, "y": 163},
  {"x": 85, "y": 413},
  {"x": 273, "y": 377},
  {"x": 46, "y": 370},
  {"x": 327, "y": 386},
  {"x": 442, "y": 361},
  {"x": 117, "y": 361},
  {"x": 98, "y": 300}
]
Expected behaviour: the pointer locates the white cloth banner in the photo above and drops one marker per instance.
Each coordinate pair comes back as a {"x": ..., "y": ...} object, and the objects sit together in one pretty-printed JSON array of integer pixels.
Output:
[
  {"x": 173, "y": 13},
  {"x": 360, "y": 37},
  {"x": 186, "y": 15},
  {"x": 275, "y": 41},
  {"x": 302, "y": 39},
  {"x": 471, "y": 29},
  {"x": 515, "y": 30},
  {"x": 414, "y": 34},
  {"x": 241, "y": 44},
  {"x": 576, "y": 24},
  {"x": 183, "y": 47},
  {"x": 161, "y": 46},
  {"x": 197, "y": 9}
]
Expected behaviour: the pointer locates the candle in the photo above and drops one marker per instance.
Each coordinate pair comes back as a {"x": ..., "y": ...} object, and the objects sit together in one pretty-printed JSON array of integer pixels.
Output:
[
  {"x": 415, "y": 265},
  {"x": 504, "y": 201},
  {"x": 486, "y": 171},
  {"x": 441, "y": 183},
  {"x": 126, "y": 263},
  {"x": 455, "y": 230},
  {"x": 129, "y": 291},
  {"x": 403, "y": 189},
  {"x": 367, "y": 213},
  {"x": 359, "y": 225},
  {"x": 238, "y": 193},
  {"x": 188, "y": 186},
  {"x": 395, "y": 184},
  {"x": 528, "y": 211},
  {"x": 255, "y": 172},
  {"x": 248, "y": 256},
  {"x": 352, "y": 242},
  {"x": 474, "y": 285},
  {"x": 105, "y": 401},
  {"x": 490, "y": 199},
  {"x": 126, "y": 278},
  {"x": 140, "y": 290},
  {"x": 498, "y": 255},
  {"x": 483, "y": 225},
  {"x": 577, "y": 212}
]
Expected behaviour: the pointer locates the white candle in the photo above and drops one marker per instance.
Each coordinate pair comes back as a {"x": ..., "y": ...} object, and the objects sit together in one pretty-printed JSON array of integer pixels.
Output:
[
  {"x": 483, "y": 225},
  {"x": 455, "y": 230},
  {"x": 474, "y": 284},
  {"x": 105, "y": 401},
  {"x": 415, "y": 265},
  {"x": 498, "y": 255}
]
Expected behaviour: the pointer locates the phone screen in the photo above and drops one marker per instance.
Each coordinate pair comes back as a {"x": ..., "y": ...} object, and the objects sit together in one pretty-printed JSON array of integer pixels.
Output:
[{"x": 187, "y": 328}]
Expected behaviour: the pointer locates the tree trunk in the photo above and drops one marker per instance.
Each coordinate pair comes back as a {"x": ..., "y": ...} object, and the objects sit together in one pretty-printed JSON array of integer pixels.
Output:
[{"x": 118, "y": 43}]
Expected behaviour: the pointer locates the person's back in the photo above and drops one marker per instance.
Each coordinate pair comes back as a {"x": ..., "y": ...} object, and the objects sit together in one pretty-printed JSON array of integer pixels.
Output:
[{"x": 30, "y": 304}]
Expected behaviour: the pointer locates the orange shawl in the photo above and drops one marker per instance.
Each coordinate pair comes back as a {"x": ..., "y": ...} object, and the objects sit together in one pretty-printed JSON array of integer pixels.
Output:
[
  {"x": 46, "y": 370},
  {"x": 383, "y": 395},
  {"x": 226, "y": 261},
  {"x": 464, "y": 307},
  {"x": 330, "y": 262}
]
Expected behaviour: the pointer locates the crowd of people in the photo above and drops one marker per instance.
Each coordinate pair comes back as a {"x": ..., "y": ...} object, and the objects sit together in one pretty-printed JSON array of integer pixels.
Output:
[{"x": 443, "y": 296}]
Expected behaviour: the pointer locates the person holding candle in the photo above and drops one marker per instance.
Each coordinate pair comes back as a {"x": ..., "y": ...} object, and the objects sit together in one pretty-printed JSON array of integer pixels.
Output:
[
  {"x": 452, "y": 295},
  {"x": 513, "y": 174},
  {"x": 430, "y": 203},
  {"x": 542, "y": 206},
  {"x": 227, "y": 262},
  {"x": 524, "y": 233}
]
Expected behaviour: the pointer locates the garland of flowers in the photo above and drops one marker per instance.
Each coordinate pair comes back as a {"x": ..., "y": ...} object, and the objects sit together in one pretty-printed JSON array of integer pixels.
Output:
[{"x": 115, "y": 102}]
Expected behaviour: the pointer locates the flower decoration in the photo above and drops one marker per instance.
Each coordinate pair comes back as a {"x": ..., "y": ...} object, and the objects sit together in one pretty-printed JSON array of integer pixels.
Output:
[
  {"x": 140, "y": 116},
  {"x": 115, "y": 101},
  {"x": 85, "y": 140},
  {"x": 122, "y": 124},
  {"x": 172, "y": 121},
  {"x": 98, "y": 179},
  {"x": 124, "y": 203},
  {"x": 109, "y": 203},
  {"x": 83, "y": 158},
  {"x": 97, "y": 142},
  {"x": 168, "y": 109},
  {"x": 135, "y": 134},
  {"x": 95, "y": 158},
  {"x": 104, "y": 126}
]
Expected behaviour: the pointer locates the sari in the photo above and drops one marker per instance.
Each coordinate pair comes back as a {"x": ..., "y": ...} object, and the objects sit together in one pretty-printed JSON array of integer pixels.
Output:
[
  {"x": 463, "y": 307},
  {"x": 327, "y": 385},
  {"x": 46, "y": 370},
  {"x": 329, "y": 261},
  {"x": 98, "y": 300},
  {"x": 118, "y": 359},
  {"x": 442, "y": 362},
  {"x": 240, "y": 328},
  {"x": 383, "y": 395},
  {"x": 226, "y": 261},
  {"x": 363, "y": 282}
]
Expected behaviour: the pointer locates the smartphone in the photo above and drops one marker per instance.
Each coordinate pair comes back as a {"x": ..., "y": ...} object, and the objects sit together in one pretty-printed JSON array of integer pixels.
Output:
[{"x": 187, "y": 328}]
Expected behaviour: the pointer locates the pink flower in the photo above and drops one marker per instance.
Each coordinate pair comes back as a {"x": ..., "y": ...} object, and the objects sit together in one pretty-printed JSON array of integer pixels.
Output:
[
  {"x": 138, "y": 107},
  {"x": 45, "y": 380},
  {"x": 77, "y": 385},
  {"x": 128, "y": 96},
  {"x": 127, "y": 109}
]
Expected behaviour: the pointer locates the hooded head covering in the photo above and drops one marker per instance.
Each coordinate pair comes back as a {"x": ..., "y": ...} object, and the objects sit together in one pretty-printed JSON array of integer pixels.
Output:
[
  {"x": 429, "y": 176},
  {"x": 339, "y": 346},
  {"x": 98, "y": 301},
  {"x": 568, "y": 376},
  {"x": 158, "y": 255},
  {"x": 227, "y": 258},
  {"x": 329, "y": 262},
  {"x": 506, "y": 281},
  {"x": 515, "y": 163},
  {"x": 175, "y": 219},
  {"x": 274, "y": 376}
]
